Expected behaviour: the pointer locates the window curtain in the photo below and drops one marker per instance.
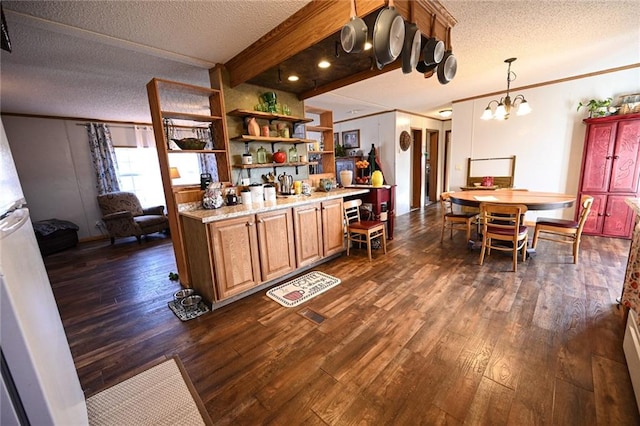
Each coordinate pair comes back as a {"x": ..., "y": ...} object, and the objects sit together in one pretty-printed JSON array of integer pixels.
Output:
[
  {"x": 207, "y": 162},
  {"x": 103, "y": 157}
]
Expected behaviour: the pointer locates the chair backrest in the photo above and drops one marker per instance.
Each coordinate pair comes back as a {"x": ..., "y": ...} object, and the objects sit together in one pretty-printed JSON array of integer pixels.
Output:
[
  {"x": 586, "y": 202},
  {"x": 502, "y": 216},
  {"x": 352, "y": 210},
  {"x": 114, "y": 202},
  {"x": 445, "y": 202}
]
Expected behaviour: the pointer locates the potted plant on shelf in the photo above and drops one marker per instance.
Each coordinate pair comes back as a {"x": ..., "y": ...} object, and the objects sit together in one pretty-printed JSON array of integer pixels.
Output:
[{"x": 597, "y": 107}]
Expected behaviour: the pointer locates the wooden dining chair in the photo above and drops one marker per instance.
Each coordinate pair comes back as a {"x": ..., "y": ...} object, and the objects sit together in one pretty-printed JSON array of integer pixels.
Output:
[
  {"x": 503, "y": 223},
  {"x": 455, "y": 220},
  {"x": 563, "y": 230},
  {"x": 362, "y": 231}
]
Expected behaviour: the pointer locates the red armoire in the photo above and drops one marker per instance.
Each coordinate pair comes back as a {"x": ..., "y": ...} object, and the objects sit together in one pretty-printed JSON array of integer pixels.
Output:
[{"x": 610, "y": 173}]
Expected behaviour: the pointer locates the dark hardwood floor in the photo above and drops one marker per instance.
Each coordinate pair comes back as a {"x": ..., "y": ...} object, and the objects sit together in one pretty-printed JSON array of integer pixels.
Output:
[{"x": 422, "y": 335}]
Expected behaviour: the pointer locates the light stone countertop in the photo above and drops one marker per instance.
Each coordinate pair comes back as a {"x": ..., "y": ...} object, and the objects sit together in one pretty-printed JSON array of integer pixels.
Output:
[
  {"x": 634, "y": 203},
  {"x": 228, "y": 212}
]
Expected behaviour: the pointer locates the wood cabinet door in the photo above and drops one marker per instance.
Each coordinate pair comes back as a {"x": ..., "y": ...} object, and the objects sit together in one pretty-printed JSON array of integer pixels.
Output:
[
  {"x": 593, "y": 225},
  {"x": 332, "y": 227},
  {"x": 626, "y": 158},
  {"x": 235, "y": 254},
  {"x": 598, "y": 157},
  {"x": 618, "y": 217},
  {"x": 276, "y": 243},
  {"x": 307, "y": 225}
]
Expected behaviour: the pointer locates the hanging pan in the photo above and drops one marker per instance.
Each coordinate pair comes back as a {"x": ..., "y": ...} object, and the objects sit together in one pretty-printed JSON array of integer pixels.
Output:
[
  {"x": 388, "y": 36},
  {"x": 412, "y": 44},
  {"x": 448, "y": 67},
  {"x": 433, "y": 50},
  {"x": 354, "y": 34}
]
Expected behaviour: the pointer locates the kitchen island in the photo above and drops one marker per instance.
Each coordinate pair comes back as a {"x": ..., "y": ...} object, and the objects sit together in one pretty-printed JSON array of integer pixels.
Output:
[{"x": 238, "y": 250}]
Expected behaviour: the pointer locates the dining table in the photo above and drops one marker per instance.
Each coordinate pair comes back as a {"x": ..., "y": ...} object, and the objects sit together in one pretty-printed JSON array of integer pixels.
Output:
[{"x": 534, "y": 200}]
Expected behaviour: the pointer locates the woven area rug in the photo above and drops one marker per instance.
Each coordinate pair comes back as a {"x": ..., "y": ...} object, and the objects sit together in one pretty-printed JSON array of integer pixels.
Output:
[
  {"x": 187, "y": 314},
  {"x": 161, "y": 395},
  {"x": 303, "y": 288}
]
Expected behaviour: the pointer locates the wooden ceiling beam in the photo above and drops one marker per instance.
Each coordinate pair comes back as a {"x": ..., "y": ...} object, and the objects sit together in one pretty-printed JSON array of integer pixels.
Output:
[
  {"x": 311, "y": 24},
  {"x": 320, "y": 19}
]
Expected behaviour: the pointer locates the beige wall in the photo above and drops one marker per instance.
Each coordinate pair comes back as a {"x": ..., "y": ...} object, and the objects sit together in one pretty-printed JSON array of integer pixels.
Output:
[
  {"x": 54, "y": 165},
  {"x": 548, "y": 142}
]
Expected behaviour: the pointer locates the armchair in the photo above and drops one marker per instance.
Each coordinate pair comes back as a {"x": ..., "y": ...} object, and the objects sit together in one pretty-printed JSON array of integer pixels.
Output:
[{"x": 124, "y": 216}]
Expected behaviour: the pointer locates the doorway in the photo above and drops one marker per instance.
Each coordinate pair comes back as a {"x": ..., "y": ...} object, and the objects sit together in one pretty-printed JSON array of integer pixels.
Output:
[
  {"x": 416, "y": 168},
  {"x": 424, "y": 167}
]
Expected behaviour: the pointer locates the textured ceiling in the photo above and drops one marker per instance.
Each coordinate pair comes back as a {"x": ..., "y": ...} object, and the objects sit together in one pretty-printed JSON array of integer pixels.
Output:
[{"x": 93, "y": 58}]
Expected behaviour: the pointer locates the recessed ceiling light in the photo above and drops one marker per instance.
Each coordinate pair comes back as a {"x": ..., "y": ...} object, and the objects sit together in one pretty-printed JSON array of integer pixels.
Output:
[
  {"x": 368, "y": 45},
  {"x": 293, "y": 78},
  {"x": 445, "y": 113},
  {"x": 324, "y": 64}
]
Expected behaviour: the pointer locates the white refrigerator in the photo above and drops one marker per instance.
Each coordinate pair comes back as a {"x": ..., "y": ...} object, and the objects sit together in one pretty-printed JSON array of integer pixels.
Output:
[{"x": 40, "y": 385}]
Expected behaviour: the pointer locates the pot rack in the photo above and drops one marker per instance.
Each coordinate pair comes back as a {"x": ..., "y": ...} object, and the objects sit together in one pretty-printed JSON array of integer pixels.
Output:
[{"x": 316, "y": 31}]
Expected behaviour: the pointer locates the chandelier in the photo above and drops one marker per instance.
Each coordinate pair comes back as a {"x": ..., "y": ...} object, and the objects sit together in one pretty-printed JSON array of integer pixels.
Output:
[{"x": 504, "y": 105}]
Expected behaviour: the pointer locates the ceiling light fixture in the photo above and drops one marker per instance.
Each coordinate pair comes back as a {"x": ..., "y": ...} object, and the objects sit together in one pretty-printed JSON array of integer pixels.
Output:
[
  {"x": 504, "y": 105},
  {"x": 367, "y": 45},
  {"x": 293, "y": 78},
  {"x": 324, "y": 64},
  {"x": 445, "y": 113}
]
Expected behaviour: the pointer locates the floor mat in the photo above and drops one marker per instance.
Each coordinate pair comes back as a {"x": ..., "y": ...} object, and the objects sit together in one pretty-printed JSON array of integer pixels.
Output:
[{"x": 303, "y": 288}]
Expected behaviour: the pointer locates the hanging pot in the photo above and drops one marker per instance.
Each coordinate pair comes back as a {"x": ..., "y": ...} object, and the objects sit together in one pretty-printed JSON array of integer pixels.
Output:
[
  {"x": 433, "y": 50},
  {"x": 388, "y": 36},
  {"x": 412, "y": 44},
  {"x": 354, "y": 34},
  {"x": 448, "y": 67}
]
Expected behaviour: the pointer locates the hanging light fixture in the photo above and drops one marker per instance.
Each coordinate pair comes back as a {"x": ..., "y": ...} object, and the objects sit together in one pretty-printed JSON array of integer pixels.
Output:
[{"x": 504, "y": 105}]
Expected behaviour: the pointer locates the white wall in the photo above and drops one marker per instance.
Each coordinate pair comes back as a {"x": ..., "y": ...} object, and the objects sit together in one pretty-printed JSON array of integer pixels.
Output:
[
  {"x": 54, "y": 166},
  {"x": 548, "y": 142},
  {"x": 384, "y": 130}
]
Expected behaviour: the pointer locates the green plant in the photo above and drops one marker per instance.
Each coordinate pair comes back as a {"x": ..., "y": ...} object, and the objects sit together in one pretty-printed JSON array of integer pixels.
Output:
[
  {"x": 596, "y": 107},
  {"x": 173, "y": 276},
  {"x": 340, "y": 151}
]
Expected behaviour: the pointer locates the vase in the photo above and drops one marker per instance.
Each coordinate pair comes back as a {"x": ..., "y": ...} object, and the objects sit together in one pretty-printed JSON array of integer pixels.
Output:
[
  {"x": 346, "y": 177},
  {"x": 376, "y": 179}
]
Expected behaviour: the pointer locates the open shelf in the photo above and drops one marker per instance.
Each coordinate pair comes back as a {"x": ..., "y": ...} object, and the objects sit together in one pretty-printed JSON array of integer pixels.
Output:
[
  {"x": 249, "y": 138},
  {"x": 268, "y": 116}
]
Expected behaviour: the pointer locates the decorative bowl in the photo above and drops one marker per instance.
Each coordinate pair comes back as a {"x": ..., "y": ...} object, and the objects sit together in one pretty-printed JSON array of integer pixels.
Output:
[
  {"x": 181, "y": 294},
  {"x": 190, "y": 302},
  {"x": 190, "y": 143},
  {"x": 477, "y": 183}
]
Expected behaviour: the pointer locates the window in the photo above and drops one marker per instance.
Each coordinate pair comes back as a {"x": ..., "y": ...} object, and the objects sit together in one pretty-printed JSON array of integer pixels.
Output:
[{"x": 139, "y": 173}]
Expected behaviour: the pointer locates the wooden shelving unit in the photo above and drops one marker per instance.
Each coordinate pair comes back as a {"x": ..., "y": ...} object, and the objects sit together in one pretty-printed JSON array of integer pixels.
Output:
[
  {"x": 185, "y": 103},
  {"x": 322, "y": 127}
]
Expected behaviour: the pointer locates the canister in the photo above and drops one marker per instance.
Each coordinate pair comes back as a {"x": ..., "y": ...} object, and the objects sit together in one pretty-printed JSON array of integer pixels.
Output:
[
  {"x": 247, "y": 158},
  {"x": 269, "y": 193},
  {"x": 257, "y": 192},
  {"x": 245, "y": 195}
]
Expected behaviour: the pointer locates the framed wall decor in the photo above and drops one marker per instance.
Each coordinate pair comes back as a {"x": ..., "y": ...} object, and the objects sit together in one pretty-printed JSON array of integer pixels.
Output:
[
  {"x": 351, "y": 139},
  {"x": 336, "y": 139}
]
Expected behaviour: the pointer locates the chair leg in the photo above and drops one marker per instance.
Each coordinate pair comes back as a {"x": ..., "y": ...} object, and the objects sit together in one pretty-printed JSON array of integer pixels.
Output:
[
  {"x": 348, "y": 243},
  {"x": 384, "y": 240},
  {"x": 484, "y": 246},
  {"x": 369, "y": 246},
  {"x": 468, "y": 230},
  {"x": 139, "y": 238},
  {"x": 113, "y": 240},
  {"x": 515, "y": 257},
  {"x": 444, "y": 226},
  {"x": 534, "y": 243},
  {"x": 576, "y": 248}
]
